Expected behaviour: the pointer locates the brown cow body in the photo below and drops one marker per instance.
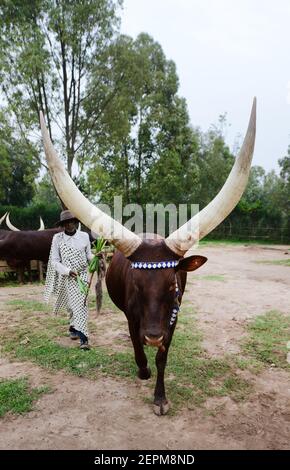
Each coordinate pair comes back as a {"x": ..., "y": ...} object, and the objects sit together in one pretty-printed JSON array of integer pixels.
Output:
[
  {"x": 19, "y": 248},
  {"x": 148, "y": 297},
  {"x": 26, "y": 245},
  {"x": 3, "y": 233}
]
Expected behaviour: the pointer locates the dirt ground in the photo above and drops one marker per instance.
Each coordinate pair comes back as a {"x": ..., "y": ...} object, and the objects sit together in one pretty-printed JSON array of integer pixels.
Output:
[{"x": 111, "y": 413}]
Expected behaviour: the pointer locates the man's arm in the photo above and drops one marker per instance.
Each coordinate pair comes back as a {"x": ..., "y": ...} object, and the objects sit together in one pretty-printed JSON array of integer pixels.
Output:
[{"x": 56, "y": 259}]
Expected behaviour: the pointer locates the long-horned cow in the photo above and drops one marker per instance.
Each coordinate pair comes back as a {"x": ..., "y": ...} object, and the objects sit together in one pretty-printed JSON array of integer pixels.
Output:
[
  {"x": 147, "y": 275},
  {"x": 19, "y": 247}
]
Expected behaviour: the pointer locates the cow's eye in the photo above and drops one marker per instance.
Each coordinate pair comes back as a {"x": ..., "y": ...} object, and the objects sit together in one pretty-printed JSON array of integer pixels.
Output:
[{"x": 172, "y": 287}]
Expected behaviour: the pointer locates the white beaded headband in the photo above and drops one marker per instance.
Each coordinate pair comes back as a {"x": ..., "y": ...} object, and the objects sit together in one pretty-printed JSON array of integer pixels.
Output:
[{"x": 154, "y": 264}]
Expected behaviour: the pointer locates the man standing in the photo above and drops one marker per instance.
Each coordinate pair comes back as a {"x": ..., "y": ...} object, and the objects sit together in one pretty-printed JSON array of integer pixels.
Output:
[{"x": 69, "y": 257}]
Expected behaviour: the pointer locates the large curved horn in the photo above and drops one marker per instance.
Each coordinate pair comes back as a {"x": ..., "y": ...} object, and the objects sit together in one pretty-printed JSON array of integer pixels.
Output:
[
  {"x": 2, "y": 218},
  {"x": 220, "y": 207},
  {"x": 99, "y": 222},
  {"x": 42, "y": 226},
  {"x": 9, "y": 225}
]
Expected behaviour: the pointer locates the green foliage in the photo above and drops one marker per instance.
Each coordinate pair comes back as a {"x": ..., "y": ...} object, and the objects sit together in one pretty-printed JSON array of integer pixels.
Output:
[
  {"x": 98, "y": 248},
  {"x": 19, "y": 167},
  {"x": 17, "y": 397},
  {"x": 45, "y": 194},
  {"x": 285, "y": 189},
  {"x": 261, "y": 213},
  {"x": 82, "y": 285},
  {"x": 48, "y": 50},
  {"x": 145, "y": 130},
  {"x": 116, "y": 102},
  {"x": 214, "y": 164},
  {"x": 262, "y": 197},
  {"x": 27, "y": 218}
]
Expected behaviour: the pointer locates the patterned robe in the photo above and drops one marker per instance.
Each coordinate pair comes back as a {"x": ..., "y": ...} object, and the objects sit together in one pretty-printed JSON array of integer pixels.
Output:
[{"x": 63, "y": 291}]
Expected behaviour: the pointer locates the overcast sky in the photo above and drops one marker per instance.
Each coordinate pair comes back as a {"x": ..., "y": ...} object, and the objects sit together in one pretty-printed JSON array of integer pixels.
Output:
[{"x": 226, "y": 52}]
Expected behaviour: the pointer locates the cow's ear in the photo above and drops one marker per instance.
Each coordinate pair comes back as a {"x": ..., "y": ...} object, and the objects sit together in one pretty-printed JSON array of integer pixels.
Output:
[{"x": 191, "y": 263}]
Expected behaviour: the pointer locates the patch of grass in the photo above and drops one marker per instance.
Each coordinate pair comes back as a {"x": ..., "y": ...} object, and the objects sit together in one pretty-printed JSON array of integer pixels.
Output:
[
  {"x": 17, "y": 397},
  {"x": 251, "y": 364},
  {"x": 278, "y": 262},
  {"x": 213, "y": 277},
  {"x": 191, "y": 376},
  {"x": 208, "y": 242},
  {"x": 28, "y": 305},
  {"x": 107, "y": 304},
  {"x": 44, "y": 352},
  {"x": 236, "y": 387},
  {"x": 268, "y": 337},
  {"x": 36, "y": 340},
  {"x": 9, "y": 280}
]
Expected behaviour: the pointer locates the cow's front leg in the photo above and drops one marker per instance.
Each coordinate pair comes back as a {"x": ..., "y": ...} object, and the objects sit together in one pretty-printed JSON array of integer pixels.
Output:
[
  {"x": 144, "y": 371},
  {"x": 161, "y": 405}
]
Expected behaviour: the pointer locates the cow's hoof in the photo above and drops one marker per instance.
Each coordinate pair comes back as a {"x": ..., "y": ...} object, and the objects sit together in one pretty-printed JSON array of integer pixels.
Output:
[
  {"x": 161, "y": 409},
  {"x": 144, "y": 374}
]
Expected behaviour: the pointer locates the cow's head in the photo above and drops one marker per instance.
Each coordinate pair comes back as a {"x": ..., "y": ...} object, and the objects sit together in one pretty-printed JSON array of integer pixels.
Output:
[{"x": 157, "y": 287}]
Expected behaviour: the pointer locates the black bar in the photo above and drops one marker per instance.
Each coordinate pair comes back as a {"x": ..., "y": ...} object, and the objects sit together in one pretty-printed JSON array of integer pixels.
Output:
[{"x": 133, "y": 458}]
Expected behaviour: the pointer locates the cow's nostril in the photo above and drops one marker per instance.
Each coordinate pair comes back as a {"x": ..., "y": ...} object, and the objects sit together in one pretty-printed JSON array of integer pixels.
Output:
[
  {"x": 153, "y": 338},
  {"x": 155, "y": 342}
]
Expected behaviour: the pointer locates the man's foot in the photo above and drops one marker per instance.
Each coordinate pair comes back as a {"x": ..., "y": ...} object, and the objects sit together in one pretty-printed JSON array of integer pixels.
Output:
[
  {"x": 85, "y": 346},
  {"x": 84, "y": 343},
  {"x": 73, "y": 333}
]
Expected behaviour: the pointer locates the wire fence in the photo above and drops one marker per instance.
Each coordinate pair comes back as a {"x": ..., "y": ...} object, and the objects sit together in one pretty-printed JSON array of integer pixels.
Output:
[{"x": 252, "y": 233}]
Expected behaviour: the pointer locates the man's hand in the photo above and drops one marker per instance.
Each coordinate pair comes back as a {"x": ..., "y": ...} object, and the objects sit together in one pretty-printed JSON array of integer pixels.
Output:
[{"x": 73, "y": 274}]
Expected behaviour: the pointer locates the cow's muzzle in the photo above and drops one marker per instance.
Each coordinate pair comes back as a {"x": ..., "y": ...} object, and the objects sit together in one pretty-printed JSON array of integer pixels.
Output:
[{"x": 155, "y": 342}]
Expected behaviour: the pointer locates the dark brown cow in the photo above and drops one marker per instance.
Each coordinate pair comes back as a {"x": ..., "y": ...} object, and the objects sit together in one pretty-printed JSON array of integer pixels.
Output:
[
  {"x": 27, "y": 245},
  {"x": 22, "y": 246},
  {"x": 146, "y": 278},
  {"x": 150, "y": 298},
  {"x": 3, "y": 233},
  {"x": 18, "y": 248}
]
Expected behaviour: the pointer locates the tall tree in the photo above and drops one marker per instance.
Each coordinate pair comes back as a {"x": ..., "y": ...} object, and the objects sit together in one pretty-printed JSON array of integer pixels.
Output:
[
  {"x": 214, "y": 163},
  {"x": 285, "y": 177},
  {"x": 146, "y": 124},
  {"x": 19, "y": 167},
  {"x": 48, "y": 49}
]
